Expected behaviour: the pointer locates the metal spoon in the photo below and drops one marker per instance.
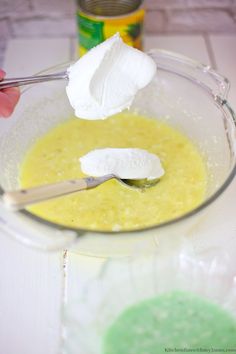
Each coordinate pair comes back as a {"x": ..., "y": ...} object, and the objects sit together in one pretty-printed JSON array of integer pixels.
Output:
[
  {"x": 19, "y": 199},
  {"x": 20, "y": 81}
]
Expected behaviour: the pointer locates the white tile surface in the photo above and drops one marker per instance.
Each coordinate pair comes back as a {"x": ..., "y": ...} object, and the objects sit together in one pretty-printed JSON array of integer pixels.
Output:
[
  {"x": 191, "y": 46},
  {"x": 28, "y": 56},
  {"x": 30, "y": 282},
  {"x": 224, "y": 49},
  {"x": 30, "y": 299}
]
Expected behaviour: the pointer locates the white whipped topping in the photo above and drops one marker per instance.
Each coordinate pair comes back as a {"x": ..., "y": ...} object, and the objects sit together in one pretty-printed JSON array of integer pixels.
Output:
[
  {"x": 106, "y": 79},
  {"x": 129, "y": 163}
]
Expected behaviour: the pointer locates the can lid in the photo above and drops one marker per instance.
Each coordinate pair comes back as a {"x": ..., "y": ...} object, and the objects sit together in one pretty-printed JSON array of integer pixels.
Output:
[{"x": 109, "y": 7}]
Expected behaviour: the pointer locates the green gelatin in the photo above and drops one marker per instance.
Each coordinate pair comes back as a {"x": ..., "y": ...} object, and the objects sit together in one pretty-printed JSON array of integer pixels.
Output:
[{"x": 177, "y": 320}]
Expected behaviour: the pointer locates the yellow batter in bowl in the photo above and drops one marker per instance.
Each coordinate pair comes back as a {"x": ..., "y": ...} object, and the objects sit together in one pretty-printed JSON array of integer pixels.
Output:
[{"x": 112, "y": 206}]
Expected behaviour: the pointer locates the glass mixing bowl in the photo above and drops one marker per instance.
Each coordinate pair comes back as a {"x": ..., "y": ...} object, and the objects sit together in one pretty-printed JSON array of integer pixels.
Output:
[
  {"x": 188, "y": 95},
  {"x": 90, "y": 309}
]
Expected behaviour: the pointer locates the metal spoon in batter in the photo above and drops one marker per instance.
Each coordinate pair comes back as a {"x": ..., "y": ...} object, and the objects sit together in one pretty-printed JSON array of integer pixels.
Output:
[{"x": 19, "y": 199}]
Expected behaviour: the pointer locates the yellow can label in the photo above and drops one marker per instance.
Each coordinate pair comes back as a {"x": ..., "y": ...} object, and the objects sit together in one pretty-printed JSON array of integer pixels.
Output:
[{"x": 94, "y": 30}]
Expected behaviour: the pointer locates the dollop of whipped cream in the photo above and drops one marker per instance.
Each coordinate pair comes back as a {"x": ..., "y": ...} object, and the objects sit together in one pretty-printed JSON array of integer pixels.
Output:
[
  {"x": 106, "y": 79},
  {"x": 126, "y": 163}
]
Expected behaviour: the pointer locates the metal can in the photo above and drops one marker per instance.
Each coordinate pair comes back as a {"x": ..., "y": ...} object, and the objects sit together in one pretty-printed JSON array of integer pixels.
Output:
[{"x": 101, "y": 19}]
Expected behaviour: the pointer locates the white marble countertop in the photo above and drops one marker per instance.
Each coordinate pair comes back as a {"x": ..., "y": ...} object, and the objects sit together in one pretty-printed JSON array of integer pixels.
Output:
[{"x": 34, "y": 284}]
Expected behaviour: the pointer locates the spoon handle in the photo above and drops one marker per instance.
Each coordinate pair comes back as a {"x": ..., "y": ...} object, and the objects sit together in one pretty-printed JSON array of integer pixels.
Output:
[
  {"x": 19, "y": 199},
  {"x": 6, "y": 83}
]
